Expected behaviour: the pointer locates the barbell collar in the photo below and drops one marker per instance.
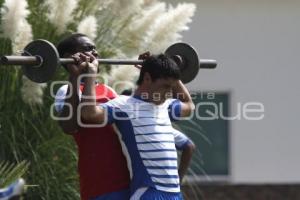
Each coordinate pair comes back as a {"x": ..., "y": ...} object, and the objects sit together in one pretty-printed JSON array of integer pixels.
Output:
[{"x": 208, "y": 64}]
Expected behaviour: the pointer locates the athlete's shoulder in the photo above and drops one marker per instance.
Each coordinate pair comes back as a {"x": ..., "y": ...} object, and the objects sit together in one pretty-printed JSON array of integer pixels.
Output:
[
  {"x": 120, "y": 101},
  {"x": 123, "y": 99},
  {"x": 170, "y": 101}
]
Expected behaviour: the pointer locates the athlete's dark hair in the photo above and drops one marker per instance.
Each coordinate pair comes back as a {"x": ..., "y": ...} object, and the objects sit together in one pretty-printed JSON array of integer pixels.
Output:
[
  {"x": 159, "y": 66},
  {"x": 69, "y": 44}
]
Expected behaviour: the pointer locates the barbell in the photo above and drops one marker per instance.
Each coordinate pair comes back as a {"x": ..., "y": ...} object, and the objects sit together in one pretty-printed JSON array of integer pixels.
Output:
[{"x": 40, "y": 60}]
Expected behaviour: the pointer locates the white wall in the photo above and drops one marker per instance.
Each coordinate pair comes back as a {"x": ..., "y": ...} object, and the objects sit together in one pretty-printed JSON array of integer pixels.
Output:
[{"x": 257, "y": 45}]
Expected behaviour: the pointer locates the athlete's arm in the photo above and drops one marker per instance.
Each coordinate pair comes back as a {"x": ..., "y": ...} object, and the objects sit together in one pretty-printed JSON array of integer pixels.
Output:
[
  {"x": 71, "y": 98},
  {"x": 185, "y": 159},
  {"x": 180, "y": 92},
  {"x": 71, "y": 101},
  {"x": 186, "y": 145},
  {"x": 90, "y": 112}
]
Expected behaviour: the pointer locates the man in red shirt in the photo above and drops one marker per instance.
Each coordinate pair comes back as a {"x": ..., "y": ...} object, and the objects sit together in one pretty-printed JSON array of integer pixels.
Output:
[{"x": 102, "y": 166}]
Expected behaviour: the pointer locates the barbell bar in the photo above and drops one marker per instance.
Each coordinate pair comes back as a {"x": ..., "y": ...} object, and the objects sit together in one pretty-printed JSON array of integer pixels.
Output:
[{"x": 40, "y": 60}]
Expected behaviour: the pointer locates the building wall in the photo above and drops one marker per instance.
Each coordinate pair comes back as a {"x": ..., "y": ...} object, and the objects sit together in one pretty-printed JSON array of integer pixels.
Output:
[{"x": 257, "y": 46}]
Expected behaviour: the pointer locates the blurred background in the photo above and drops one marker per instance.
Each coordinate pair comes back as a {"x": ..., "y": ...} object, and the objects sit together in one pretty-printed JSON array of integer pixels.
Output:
[{"x": 256, "y": 44}]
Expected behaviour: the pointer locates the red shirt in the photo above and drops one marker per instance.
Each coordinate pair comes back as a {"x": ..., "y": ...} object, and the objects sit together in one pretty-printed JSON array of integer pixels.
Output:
[{"x": 102, "y": 164}]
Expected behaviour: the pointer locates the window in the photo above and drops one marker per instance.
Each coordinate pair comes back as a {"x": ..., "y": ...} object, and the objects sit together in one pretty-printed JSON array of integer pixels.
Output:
[{"x": 210, "y": 133}]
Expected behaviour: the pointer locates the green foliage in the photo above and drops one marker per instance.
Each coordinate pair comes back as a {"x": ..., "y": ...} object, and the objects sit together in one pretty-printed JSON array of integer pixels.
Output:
[
  {"x": 28, "y": 132},
  {"x": 11, "y": 172}
]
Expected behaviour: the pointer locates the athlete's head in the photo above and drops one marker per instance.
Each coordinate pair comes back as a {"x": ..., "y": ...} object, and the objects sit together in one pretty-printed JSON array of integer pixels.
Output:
[
  {"x": 159, "y": 74},
  {"x": 75, "y": 43}
]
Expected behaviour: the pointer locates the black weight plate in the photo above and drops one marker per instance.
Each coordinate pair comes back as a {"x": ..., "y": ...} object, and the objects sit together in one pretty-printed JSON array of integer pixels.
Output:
[
  {"x": 50, "y": 60},
  {"x": 191, "y": 61}
]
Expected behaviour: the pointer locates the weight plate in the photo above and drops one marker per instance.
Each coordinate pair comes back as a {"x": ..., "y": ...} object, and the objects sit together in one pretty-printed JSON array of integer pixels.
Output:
[
  {"x": 50, "y": 61},
  {"x": 190, "y": 67}
]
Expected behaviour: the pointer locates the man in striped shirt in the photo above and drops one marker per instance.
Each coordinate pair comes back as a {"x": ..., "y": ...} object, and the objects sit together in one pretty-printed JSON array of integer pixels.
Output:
[{"x": 143, "y": 124}]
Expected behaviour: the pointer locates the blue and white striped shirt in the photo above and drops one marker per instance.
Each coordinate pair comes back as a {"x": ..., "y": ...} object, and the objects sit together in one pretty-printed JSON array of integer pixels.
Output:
[{"x": 150, "y": 140}]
